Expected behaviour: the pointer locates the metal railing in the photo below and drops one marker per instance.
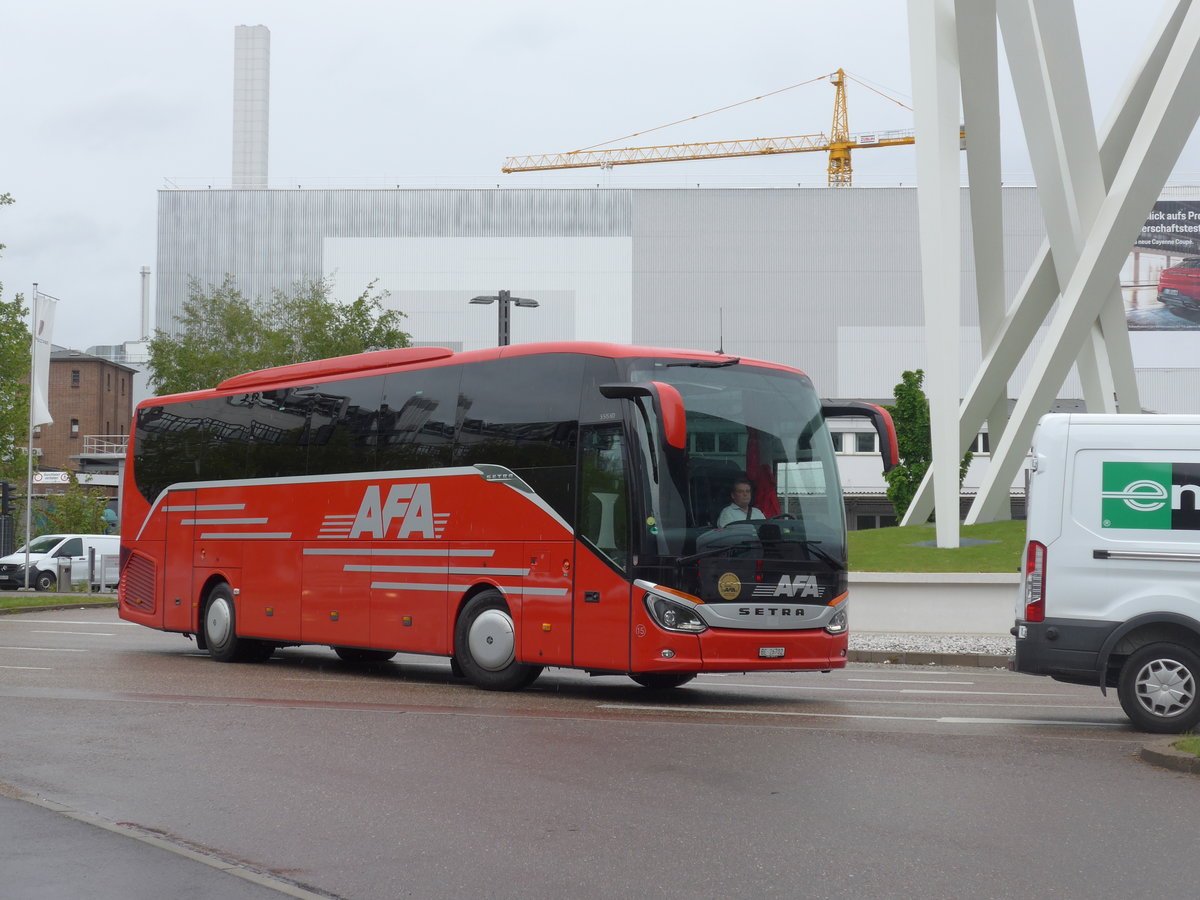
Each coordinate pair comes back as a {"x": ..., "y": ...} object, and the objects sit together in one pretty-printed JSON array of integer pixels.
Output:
[{"x": 104, "y": 444}]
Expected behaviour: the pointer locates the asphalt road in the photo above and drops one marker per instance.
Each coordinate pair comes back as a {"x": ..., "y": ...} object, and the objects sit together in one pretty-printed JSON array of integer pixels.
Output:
[{"x": 396, "y": 780}]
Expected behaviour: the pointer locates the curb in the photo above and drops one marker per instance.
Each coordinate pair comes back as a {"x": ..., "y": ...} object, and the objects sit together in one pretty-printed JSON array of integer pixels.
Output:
[
  {"x": 1162, "y": 753},
  {"x": 913, "y": 658}
]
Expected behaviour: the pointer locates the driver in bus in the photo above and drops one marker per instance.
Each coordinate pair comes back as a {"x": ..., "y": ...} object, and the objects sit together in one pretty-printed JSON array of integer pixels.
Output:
[{"x": 740, "y": 509}]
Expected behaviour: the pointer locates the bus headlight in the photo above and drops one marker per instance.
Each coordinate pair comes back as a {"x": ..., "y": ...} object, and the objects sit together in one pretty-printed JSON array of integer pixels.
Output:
[
  {"x": 673, "y": 616},
  {"x": 839, "y": 623}
]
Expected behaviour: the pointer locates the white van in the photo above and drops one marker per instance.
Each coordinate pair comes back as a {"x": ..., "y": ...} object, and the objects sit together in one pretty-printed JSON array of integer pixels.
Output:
[
  {"x": 48, "y": 552},
  {"x": 1111, "y": 583}
]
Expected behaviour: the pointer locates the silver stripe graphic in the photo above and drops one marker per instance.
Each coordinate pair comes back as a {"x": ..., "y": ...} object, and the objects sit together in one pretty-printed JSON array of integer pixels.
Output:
[
  {"x": 245, "y": 536},
  {"x": 417, "y": 586},
  {"x": 436, "y": 570},
  {"x": 389, "y": 551},
  {"x": 207, "y": 507},
  {"x": 223, "y": 521}
]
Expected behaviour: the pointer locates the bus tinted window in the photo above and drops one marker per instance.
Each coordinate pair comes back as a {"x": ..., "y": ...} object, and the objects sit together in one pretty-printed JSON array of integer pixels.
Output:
[
  {"x": 523, "y": 413},
  {"x": 342, "y": 426},
  {"x": 417, "y": 418}
]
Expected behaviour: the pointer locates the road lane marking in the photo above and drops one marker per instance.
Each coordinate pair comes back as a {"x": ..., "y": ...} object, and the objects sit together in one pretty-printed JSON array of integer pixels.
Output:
[
  {"x": 902, "y": 681},
  {"x": 48, "y": 649},
  {"x": 29, "y": 668},
  {"x": 84, "y": 633},
  {"x": 21, "y": 620},
  {"x": 759, "y": 712},
  {"x": 956, "y": 720},
  {"x": 848, "y": 690},
  {"x": 940, "y": 720}
]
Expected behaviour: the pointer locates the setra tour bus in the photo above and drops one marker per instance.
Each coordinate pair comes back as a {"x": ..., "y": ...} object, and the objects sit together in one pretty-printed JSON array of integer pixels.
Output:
[{"x": 514, "y": 508}]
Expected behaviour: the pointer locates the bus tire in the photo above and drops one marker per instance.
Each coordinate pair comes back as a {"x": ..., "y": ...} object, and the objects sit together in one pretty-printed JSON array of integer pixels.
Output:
[
  {"x": 663, "y": 681},
  {"x": 485, "y": 645},
  {"x": 358, "y": 655},
  {"x": 1158, "y": 688},
  {"x": 220, "y": 630}
]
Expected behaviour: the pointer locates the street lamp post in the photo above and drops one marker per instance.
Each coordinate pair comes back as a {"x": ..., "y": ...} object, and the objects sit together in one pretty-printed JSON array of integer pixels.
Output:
[{"x": 504, "y": 299}]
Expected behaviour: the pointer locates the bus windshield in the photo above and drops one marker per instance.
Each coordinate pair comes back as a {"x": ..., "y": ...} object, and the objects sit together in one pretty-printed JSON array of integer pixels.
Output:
[{"x": 755, "y": 423}]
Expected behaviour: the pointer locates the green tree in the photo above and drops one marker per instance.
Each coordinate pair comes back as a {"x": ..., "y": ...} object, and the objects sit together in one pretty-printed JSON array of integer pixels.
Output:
[
  {"x": 222, "y": 333},
  {"x": 911, "y": 417},
  {"x": 15, "y": 345},
  {"x": 78, "y": 510}
]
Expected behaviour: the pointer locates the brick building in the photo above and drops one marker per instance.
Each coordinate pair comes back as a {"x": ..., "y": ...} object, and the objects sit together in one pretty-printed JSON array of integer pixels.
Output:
[{"x": 91, "y": 400}]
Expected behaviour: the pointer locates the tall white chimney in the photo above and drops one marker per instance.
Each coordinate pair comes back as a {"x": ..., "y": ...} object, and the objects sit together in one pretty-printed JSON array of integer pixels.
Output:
[
  {"x": 251, "y": 102},
  {"x": 145, "y": 303}
]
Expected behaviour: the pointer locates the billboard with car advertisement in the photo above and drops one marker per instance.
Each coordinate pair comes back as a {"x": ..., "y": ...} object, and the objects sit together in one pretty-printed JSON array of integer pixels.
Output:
[{"x": 1161, "y": 280}]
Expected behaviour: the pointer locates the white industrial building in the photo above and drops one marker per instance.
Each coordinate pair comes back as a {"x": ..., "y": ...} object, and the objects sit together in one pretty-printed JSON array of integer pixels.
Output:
[{"x": 823, "y": 279}]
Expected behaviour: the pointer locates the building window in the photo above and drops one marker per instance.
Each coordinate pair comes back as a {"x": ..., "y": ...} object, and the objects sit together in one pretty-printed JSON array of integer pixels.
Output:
[
  {"x": 74, "y": 428},
  {"x": 74, "y": 378},
  {"x": 866, "y": 442},
  {"x": 981, "y": 444},
  {"x": 864, "y": 522},
  {"x": 122, "y": 385},
  {"x": 836, "y": 437},
  {"x": 108, "y": 381}
]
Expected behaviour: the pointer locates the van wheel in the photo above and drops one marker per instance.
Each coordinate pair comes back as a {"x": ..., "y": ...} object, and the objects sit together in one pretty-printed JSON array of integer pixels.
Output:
[
  {"x": 220, "y": 631},
  {"x": 45, "y": 581},
  {"x": 485, "y": 645},
  {"x": 1158, "y": 688}
]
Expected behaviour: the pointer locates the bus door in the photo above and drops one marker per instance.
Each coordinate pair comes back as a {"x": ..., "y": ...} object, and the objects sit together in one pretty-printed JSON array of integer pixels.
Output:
[
  {"x": 180, "y": 609},
  {"x": 546, "y": 603},
  {"x": 602, "y": 590}
]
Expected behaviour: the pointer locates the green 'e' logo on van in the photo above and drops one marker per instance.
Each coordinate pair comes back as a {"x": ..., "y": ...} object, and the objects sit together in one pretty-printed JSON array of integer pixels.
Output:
[{"x": 1151, "y": 495}]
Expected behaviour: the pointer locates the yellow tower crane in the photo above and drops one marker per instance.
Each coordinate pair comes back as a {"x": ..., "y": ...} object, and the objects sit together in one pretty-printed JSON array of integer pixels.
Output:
[{"x": 838, "y": 143}]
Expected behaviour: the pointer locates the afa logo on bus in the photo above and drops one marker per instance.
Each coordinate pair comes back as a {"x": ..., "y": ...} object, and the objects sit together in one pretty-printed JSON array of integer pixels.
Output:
[
  {"x": 1162, "y": 496},
  {"x": 409, "y": 504}
]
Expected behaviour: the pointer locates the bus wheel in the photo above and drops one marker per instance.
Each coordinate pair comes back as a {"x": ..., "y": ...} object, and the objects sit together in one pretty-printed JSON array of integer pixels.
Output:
[
  {"x": 356, "y": 655},
  {"x": 663, "y": 681},
  {"x": 220, "y": 631},
  {"x": 485, "y": 645},
  {"x": 1158, "y": 688}
]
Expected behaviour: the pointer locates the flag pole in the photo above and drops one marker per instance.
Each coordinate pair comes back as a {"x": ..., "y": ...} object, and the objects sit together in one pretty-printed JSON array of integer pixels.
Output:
[
  {"x": 29, "y": 449},
  {"x": 40, "y": 347}
]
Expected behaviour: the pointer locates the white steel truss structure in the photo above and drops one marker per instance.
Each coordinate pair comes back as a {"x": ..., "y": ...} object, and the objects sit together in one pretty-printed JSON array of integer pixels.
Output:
[{"x": 1094, "y": 192}]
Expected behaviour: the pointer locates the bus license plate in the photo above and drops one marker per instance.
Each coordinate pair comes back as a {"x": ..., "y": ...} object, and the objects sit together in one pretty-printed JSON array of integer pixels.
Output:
[{"x": 770, "y": 653}]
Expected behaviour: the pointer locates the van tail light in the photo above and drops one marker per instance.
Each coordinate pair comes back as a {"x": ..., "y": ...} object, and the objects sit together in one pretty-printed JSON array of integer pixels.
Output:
[{"x": 1035, "y": 582}]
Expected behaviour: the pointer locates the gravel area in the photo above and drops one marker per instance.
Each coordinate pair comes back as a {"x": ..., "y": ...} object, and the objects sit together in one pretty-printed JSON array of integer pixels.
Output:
[{"x": 998, "y": 645}]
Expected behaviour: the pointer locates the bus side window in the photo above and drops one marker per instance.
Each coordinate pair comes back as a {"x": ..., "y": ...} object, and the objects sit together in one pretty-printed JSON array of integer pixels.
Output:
[
  {"x": 604, "y": 493},
  {"x": 418, "y": 418}
]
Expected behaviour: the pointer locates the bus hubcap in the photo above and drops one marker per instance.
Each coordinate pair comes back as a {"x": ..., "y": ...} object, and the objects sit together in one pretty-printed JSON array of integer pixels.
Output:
[
  {"x": 217, "y": 621},
  {"x": 491, "y": 640}
]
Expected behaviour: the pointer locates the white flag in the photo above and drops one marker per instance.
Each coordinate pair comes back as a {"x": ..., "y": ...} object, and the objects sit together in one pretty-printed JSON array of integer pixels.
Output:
[{"x": 39, "y": 382}]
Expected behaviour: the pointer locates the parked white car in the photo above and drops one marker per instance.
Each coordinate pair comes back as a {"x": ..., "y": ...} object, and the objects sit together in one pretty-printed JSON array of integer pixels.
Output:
[{"x": 48, "y": 552}]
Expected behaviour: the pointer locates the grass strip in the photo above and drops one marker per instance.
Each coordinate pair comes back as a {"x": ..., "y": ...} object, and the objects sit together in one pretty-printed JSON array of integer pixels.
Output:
[
  {"x": 1189, "y": 744},
  {"x": 22, "y": 600},
  {"x": 897, "y": 549}
]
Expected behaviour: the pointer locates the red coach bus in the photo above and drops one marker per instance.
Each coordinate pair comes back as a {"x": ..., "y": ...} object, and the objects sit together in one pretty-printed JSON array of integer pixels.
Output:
[{"x": 515, "y": 508}]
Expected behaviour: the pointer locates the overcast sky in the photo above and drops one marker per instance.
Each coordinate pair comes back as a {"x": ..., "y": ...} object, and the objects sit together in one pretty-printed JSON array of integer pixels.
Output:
[{"x": 107, "y": 102}]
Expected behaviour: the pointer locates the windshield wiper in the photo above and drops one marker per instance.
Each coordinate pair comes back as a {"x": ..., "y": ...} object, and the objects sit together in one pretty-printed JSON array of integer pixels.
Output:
[
  {"x": 822, "y": 554},
  {"x": 713, "y": 551},
  {"x": 707, "y": 364}
]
